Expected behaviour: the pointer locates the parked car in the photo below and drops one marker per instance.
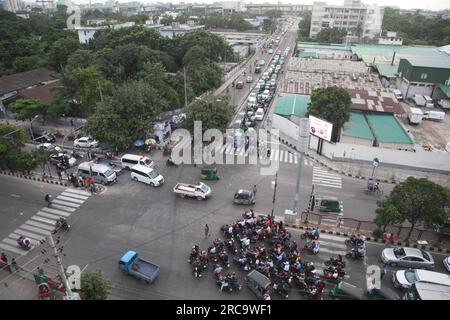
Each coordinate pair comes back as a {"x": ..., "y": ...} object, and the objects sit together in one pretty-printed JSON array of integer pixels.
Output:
[
  {"x": 85, "y": 142},
  {"x": 62, "y": 157},
  {"x": 407, "y": 257},
  {"x": 406, "y": 278},
  {"x": 43, "y": 136},
  {"x": 48, "y": 147},
  {"x": 446, "y": 263}
]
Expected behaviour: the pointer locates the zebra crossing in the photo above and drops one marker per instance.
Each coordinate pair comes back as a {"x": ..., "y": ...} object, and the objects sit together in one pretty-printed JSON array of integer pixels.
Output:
[
  {"x": 326, "y": 178},
  {"x": 277, "y": 155},
  {"x": 330, "y": 246},
  {"x": 39, "y": 226}
]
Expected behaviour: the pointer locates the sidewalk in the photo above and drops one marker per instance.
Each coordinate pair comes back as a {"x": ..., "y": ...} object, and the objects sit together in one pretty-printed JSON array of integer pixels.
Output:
[{"x": 16, "y": 287}]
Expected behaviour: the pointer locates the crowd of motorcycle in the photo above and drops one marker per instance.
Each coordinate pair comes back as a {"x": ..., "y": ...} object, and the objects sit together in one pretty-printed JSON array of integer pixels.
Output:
[{"x": 259, "y": 243}]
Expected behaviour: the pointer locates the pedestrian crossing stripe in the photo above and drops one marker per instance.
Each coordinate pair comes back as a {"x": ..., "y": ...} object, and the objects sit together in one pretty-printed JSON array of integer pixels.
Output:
[
  {"x": 40, "y": 225},
  {"x": 70, "y": 199},
  {"x": 48, "y": 215},
  {"x": 73, "y": 195},
  {"x": 16, "y": 236},
  {"x": 79, "y": 192},
  {"x": 37, "y": 218},
  {"x": 63, "y": 207},
  {"x": 65, "y": 203},
  {"x": 34, "y": 229},
  {"x": 29, "y": 234},
  {"x": 325, "y": 178},
  {"x": 12, "y": 249}
]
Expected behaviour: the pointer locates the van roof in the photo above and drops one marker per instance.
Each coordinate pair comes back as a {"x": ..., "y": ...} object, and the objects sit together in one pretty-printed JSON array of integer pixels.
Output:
[
  {"x": 133, "y": 156},
  {"x": 95, "y": 166},
  {"x": 142, "y": 168},
  {"x": 433, "y": 277}
]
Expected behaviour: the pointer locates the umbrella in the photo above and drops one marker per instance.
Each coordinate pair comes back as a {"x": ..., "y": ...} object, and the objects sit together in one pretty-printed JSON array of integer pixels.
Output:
[{"x": 139, "y": 143}]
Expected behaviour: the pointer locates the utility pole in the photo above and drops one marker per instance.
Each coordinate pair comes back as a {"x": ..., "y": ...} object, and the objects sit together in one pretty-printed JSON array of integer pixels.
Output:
[
  {"x": 274, "y": 193},
  {"x": 185, "y": 92},
  {"x": 303, "y": 139},
  {"x": 69, "y": 294}
]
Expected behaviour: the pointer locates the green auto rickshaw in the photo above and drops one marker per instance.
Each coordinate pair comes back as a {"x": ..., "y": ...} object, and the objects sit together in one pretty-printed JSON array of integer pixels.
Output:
[
  {"x": 382, "y": 294},
  {"x": 346, "y": 291},
  {"x": 209, "y": 173}
]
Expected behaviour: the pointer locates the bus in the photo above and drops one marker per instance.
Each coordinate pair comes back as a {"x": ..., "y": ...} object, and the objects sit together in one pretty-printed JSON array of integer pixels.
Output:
[{"x": 427, "y": 291}]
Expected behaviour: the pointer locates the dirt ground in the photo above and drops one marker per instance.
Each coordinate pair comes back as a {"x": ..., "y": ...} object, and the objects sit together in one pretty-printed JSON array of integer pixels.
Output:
[{"x": 429, "y": 134}]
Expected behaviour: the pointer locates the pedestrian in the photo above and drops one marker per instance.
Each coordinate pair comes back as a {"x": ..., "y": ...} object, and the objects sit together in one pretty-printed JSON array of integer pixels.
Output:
[
  {"x": 48, "y": 198},
  {"x": 58, "y": 172},
  {"x": 14, "y": 264},
  {"x": 383, "y": 271},
  {"x": 254, "y": 190},
  {"x": 206, "y": 231},
  {"x": 71, "y": 122},
  {"x": 4, "y": 258},
  {"x": 80, "y": 181}
]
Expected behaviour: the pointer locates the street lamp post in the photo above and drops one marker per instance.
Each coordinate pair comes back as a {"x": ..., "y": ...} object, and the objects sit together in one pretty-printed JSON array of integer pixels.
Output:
[
  {"x": 274, "y": 193},
  {"x": 31, "y": 125}
]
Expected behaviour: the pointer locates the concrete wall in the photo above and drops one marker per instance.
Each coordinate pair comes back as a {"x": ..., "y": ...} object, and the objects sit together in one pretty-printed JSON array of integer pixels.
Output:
[
  {"x": 286, "y": 126},
  {"x": 355, "y": 140},
  {"x": 403, "y": 85},
  {"x": 424, "y": 160}
]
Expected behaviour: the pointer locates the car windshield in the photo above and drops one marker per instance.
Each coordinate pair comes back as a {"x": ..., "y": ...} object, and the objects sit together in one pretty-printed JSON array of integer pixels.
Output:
[
  {"x": 399, "y": 252},
  {"x": 410, "y": 276},
  {"x": 153, "y": 174},
  {"x": 147, "y": 162},
  {"x": 204, "y": 188},
  {"x": 108, "y": 173},
  {"x": 425, "y": 255}
]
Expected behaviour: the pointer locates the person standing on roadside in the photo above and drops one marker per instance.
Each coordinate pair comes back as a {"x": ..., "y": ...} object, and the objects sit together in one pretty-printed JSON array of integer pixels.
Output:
[{"x": 206, "y": 231}]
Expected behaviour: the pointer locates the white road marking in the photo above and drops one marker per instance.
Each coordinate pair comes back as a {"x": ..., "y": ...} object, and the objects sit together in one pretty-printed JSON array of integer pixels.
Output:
[
  {"x": 34, "y": 229},
  {"x": 12, "y": 249},
  {"x": 37, "y": 218},
  {"x": 65, "y": 203},
  {"x": 40, "y": 225},
  {"x": 14, "y": 242},
  {"x": 73, "y": 195},
  {"x": 81, "y": 192},
  {"x": 58, "y": 206},
  {"x": 48, "y": 215},
  {"x": 29, "y": 234},
  {"x": 14, "y": 195}
]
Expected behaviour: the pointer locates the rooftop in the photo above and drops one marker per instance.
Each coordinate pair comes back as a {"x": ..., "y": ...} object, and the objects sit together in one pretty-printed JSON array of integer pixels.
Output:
[
  {"x": 387, "y": 129},
  {"x": 317, "y": 45},
  {"x": 377, "y": 100},
  {"x": 387, "y": 70},
  {"x": 42, "y": 93},
  {"x": 445, "y": 89},
  {"x": 292, "y": 104},
  {"x": 357, "y": 127},
  {"x": 25, "y": 79}
]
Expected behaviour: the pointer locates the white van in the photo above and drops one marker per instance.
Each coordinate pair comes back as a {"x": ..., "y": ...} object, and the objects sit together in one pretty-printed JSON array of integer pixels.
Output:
[
  {"x": 130, "y": 160},
  {"x": 406, "y": 278},
  {"x": 434, "y": 115},
  {"x": 100, "y": 173},
  {"x": 259, "y": 115},
  {"x": 261, "y": 62},
  {"x": 251, "y": 102},
  {"x": 146, "y": 175},
  {"x": 429, "y": 102},
  {"x": 398, "y": 94}
]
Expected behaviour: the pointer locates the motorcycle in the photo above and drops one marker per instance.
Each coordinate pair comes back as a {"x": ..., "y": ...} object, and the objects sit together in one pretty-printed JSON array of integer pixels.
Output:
[
  {"x": 354, "y": 241},
  {"x": 355, "y": 255},
  {"x": 335, "y": 262},
  {"x": 332, "y": 275},
  {"x": 224, "y": 285},
  {"x": 312, "y": 248},
  {"x": 22, "y": 243},
  {"x": 309, "y": 235},
  {"x": 194, "y": 254},
  {"x": 75, "y": 154},
  {"x": 241, "y": 262},
  {"x": 230, "y": 246},
  {"x": 62, "y": 224},
  {"x": 223, "y": 259},
  {"x": 197, "y": 271},
  {"x": 282, "y": 288}
]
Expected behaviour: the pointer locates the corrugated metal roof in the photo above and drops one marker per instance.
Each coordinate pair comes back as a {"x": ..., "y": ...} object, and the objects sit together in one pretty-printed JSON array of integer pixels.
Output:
[
  {"x": 357, "y": 127},
  {"x": 445, "y": 89},
  {"x": 25, "y": 79},
  {"x": 308, "y": 54},
  {"x": 387, "y": 70},
  {"x": 387, "y": 129},
  {"x": 292, "y": 104}
]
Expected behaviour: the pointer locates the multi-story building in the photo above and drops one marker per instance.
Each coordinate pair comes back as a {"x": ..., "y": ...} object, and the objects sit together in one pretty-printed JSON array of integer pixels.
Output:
[
  {"x": 261, "y": 8},
  {"x": 348, "y": 16},
  {"x": 13, "y": 5}
]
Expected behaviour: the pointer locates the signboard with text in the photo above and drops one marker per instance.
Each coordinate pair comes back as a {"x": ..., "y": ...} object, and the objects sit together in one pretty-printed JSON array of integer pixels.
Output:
[{"x": 320, "y": 128}]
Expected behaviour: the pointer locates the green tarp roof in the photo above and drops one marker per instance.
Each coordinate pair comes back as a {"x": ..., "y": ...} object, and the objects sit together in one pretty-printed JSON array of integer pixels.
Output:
[
  {"x": 445, "y": 89},
  {"x": 308, "y": 54},
  {"x": 292, "y": 104},
  {"x": 322, "y": 46},
  {"x": 387, "y": 70},
  {"x": 357, "y": 127},
  {"x": 387, "y": 129}
]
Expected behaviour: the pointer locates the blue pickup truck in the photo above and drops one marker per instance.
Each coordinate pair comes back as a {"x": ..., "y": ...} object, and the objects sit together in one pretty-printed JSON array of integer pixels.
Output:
[{"x": 133, "y": 265}]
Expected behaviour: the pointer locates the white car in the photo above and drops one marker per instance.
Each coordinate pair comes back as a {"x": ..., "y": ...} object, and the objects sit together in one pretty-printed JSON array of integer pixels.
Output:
[
  {"x": 259, "y": 115},
  {"x": 249, "y": 79},
  {"x": 270, "y": 51},
  {"x": 406, "y": 278},
  {"x": 265, "y": 94},
  {"x": 252, "y": 94},
  {"x": 85, "y": 142},
  {"x": 446, "y": 263},
  {"x": 48, "y": 147}
]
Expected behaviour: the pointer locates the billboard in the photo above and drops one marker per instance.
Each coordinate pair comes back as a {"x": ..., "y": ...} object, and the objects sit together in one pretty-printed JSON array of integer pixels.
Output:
[{"x": 320, "y": 128}]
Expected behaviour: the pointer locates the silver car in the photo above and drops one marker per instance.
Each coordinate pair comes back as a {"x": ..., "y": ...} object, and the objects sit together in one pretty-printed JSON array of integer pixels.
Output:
[{"x": 407, "y": 257}]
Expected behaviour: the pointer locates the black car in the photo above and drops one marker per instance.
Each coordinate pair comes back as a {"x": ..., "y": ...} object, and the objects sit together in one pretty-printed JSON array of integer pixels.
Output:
[
  {"x": 43, "y": 136},
  {"x": 62, "y": 158}
]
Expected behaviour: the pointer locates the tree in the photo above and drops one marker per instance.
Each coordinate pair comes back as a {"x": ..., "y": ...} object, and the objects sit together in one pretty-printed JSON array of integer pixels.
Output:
[
  {"x": 331, "y": 35},
  {"x": 25, "y": 109},
  {"x": 94, "y": 286},
  {"x": 57, "y": 108},
  {"x": 418, "y": 201},
  {"x": 387, "y": 214},
  {"x": 213, "y": 112},
  {"x": 359, "y": 29},
  {"x": 12, "y": 139},
  {"x": 305, "y": 25},
  {"x": 332, "y": 104},
  {"x": 61, "y": 50}
]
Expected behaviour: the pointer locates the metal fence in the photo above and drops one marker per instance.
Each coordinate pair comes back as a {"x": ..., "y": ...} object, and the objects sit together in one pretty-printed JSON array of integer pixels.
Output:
[{"x": 361, "y": 226}]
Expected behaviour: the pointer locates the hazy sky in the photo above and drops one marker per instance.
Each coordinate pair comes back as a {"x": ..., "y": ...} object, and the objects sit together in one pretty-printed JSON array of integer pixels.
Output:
[{"x": 404, "y": 4}]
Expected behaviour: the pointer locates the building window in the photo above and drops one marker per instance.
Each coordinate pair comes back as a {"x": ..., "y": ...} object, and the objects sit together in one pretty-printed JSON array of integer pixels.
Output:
[
  {"x": 423, "y": 76},
  {"x": 421, "y": 84}
]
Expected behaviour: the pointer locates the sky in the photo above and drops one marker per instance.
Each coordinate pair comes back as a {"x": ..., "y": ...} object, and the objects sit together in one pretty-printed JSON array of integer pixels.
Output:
[{"x": 403, "y": 4}]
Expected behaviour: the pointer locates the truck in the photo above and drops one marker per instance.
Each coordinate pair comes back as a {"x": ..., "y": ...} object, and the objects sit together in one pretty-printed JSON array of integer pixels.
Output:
[
  {"x": 419, "y": 100},
  {"x": 133, "y": 265},
  {"x": 200, "y": 191},
  {"x": 398, "y": 94},
  {"x": 444, "y": 103},
  {"x": 415, "y": 115},
  {"x": 434, "y": 115}
]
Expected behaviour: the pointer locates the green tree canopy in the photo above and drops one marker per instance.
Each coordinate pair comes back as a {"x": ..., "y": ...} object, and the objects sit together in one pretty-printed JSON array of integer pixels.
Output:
[
  {"x": 26, "y": 109},
  {"x": 137, "y": 35},
  {"x": 213, "y": 112},
  {"x": 94, "y": 286},
  {"x": 304, "y": 25},
  {"x": 332, "y": 104},
  {"x": 331, "y": 35},
  {"x": 61, "y": 50},
  {"x": 417, "y": 201}
]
